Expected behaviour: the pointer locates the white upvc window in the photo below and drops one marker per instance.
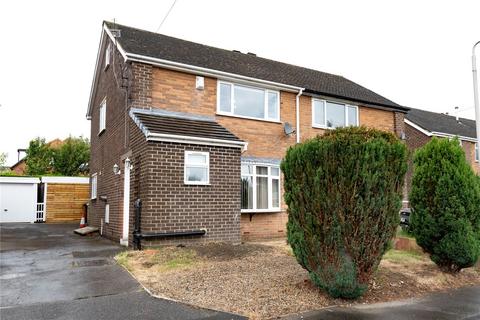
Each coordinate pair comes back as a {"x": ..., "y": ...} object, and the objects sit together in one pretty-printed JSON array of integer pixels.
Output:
[
  {"x": 93, "y": 186},
  {"x": 197, "y": 168},
  {"x": 477, "y": 152},
  {"x": 328, "y": 114},
  {"x": 108, "y": 52},
  {"x": 260, "y": 191},
  {"x": 248, "y": 102},
  {"x": 102, "y": 116}
]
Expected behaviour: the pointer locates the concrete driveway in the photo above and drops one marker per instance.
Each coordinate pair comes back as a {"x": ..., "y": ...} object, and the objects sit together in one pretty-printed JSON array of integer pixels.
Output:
[{"x": 47, "y": 272}]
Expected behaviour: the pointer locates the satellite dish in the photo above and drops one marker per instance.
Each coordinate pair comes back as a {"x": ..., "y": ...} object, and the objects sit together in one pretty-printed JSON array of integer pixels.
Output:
[{"x": 287, "y": 127}]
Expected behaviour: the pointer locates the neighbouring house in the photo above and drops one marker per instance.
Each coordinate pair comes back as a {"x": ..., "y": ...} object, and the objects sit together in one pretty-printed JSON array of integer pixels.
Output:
[
  {"x": 197, "y": 133},
  {"x": 20, "y": 167},
  {"x": 421, "y": 126}
]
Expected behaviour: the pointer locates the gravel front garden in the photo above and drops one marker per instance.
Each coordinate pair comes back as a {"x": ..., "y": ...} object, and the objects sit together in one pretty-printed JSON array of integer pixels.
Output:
[{"x": 263, "y": 280}]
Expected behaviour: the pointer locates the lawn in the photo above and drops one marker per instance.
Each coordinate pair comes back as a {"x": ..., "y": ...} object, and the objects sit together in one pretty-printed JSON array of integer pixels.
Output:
[{"x": 263, "y": 280}]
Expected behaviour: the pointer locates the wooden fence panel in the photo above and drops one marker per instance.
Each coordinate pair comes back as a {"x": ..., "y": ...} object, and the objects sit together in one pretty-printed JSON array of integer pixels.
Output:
[{"x": 65, "y": 202}]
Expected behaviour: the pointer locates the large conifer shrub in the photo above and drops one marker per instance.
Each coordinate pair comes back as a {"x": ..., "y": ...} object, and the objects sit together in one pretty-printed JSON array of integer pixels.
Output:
[
  {"x": 343, "y": 191},
  {"x": 445, "y": 198}
]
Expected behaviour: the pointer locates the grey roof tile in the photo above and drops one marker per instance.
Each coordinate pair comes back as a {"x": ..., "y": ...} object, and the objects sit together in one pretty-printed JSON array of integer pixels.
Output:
[
  {"x": 173, "y": 124},
  {"x": 439, "y": 122},
  {"x": 160, "y": 46}
]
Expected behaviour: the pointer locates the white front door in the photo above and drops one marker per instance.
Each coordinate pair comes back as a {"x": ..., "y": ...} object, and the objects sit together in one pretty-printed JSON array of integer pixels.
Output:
[{"x": 18, "y": 202}]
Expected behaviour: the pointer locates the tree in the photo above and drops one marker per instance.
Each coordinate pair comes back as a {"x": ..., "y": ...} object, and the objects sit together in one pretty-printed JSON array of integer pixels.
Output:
[
  {"x": 445, "y": 198},
  {"x": 3, "y": 159},
  {"x": 39, "y": 158},
  {"x": 71, "y": 157},
  {"x": 343, "y": 191}
]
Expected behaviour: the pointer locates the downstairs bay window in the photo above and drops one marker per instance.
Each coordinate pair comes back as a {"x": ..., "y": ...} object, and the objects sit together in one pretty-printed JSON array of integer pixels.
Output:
[{"x": 260, "y": 188}]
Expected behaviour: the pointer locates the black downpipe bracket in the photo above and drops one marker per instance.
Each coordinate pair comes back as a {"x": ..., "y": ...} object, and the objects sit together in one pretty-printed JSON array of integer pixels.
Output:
[{"x": 138, "y": 235}]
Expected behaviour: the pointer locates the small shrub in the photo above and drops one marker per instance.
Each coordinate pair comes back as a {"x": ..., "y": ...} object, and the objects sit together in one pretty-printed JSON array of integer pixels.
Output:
[
  {"x": 343, "y": 191},
  {"x": 445, "y": 198}
]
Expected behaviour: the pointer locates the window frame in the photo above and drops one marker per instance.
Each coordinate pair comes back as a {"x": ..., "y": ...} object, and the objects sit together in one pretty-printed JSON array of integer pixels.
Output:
[
  {"x": 270, "y": 177},
  {"x": 93, "y": 186},
  {"x": 102, "y": 121},
  {"x": 186, "y": 165},
  {"x": 476, "y": 151},
  {"x": 108, "y": 52},
  {"x": 345, "y": 107},
  {"x": 232, "y": 101}
]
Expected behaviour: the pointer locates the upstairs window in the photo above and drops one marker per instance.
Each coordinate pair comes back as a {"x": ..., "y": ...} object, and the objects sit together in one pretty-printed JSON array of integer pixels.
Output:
[
  {"x": 102, "y": 116},
  {"x": 248, "y": 102},
  {"x": 93, "y": 186},
  {"x": 326, "y": 114},
  {"x": 260, "y": 189},
  {"x": 197, "y": 167},
  {"x": 108, "y": 52}
]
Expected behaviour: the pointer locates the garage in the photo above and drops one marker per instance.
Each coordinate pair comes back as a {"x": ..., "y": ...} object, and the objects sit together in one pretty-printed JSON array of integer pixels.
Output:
[{"x": 18, "y": 199}]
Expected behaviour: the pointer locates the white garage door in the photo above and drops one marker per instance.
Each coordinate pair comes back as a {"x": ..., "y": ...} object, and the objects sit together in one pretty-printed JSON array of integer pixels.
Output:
[{"x": 18, "y": 202}]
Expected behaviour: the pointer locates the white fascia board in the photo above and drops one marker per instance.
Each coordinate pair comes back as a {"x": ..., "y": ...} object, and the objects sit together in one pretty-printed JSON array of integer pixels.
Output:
[
  {"x": 448, "y": 135},
  {"x": 19, "y": 180},
  {"x": 167, "y": 64},
  {"x": 95, "y": 78},
  {"x": 66, "y": 180},
  {"x": 118, "y": 45},
  {"x": 106, "y": 31},
  {"x": 196, "y": 140},
  {"x": 416, "y": 126}
]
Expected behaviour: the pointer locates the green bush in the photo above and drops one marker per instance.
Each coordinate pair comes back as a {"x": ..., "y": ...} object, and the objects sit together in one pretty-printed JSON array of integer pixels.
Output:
[
  {"x": 445, "y": 198},
  {"x": 343, "y": 191}
]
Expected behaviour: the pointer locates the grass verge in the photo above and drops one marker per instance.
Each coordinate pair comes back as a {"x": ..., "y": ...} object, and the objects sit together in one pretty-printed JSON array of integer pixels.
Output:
[{"x": 400, "y": 256}]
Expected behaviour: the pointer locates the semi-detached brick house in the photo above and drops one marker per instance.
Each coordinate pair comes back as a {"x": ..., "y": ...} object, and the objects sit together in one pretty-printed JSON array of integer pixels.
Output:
[
  {"x": 421, "y": 126},
  {"x": 197, "y": 134}
]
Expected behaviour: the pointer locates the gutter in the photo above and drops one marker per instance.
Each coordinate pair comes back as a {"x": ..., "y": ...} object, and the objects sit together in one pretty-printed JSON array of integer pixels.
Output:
[{"x": 297, "y": 110}]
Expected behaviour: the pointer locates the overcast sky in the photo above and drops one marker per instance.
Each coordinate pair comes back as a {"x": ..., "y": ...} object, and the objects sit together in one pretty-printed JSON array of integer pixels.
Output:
[{"x": 416, "y": 53}]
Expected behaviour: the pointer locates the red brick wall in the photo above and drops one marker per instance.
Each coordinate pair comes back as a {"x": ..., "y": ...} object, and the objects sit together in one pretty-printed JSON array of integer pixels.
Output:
[{"x": 264, "y": 225}]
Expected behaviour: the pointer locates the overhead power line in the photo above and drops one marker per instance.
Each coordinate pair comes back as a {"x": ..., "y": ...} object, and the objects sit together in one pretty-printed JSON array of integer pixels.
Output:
[{"x": 166, "y": 16}]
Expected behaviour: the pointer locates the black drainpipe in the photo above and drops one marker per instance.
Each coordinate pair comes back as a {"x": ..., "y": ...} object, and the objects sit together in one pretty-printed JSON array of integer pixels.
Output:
[
  {"x": 137, "y": 239},
  {"x": 138, "y": 235}
]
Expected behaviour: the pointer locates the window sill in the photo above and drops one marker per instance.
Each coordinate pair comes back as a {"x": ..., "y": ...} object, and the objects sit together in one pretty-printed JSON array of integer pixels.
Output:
[
  {"x": 322, "y": 127},
  {"x": 261, "y": 210},
  {"x": 247, "y": 118},
  {"x": 330, "y": 128},
  {"x": 196, "y": 184}
]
